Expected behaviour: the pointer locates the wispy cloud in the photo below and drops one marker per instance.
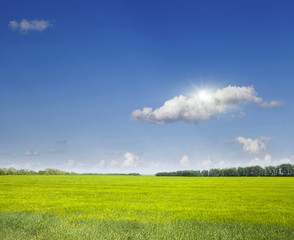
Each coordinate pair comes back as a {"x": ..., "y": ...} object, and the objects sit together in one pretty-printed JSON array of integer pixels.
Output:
[
  {"x": 53, "y": 150},
  {"x": 30, "y": 165},
  {"x": 113, "y": 153},
  {"x": 31, "y": 153},
  {"x": 207, "y": 163},
  {"x": 32, "y": 25},
  {"x": 101, "y": 164},
  {"x": 203, "y": 106},
  {"x": 271, "y": 104}
]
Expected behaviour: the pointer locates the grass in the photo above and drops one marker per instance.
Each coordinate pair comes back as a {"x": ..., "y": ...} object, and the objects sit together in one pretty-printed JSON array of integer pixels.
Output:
[{"x": 132, "y": 207}]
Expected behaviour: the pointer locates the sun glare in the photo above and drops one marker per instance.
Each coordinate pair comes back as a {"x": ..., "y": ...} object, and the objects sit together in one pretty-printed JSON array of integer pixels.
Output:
[{"x": 204, "y": 95}]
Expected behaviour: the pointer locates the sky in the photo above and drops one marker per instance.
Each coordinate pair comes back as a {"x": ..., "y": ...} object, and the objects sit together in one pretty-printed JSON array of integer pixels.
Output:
[{"x": 146, "y": 86}]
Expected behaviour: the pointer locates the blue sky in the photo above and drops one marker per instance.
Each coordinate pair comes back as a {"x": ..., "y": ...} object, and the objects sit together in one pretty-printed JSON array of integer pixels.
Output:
[{"x": 76, "y": 76}]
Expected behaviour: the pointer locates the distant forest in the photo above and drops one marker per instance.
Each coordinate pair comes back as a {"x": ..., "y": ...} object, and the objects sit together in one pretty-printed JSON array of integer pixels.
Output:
[
  {"x": 47, "y": 171},
  {"x": 52, "y": 171},
  {"x": 283, "y": 170}
]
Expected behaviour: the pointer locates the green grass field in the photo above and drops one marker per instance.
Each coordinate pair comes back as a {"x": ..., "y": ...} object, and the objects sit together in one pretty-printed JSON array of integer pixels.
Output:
[{"x": 137, "y": 207}]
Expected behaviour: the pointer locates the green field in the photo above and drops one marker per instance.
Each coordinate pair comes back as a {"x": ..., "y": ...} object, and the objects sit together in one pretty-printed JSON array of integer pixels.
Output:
[{"x": 137, "y": 207}]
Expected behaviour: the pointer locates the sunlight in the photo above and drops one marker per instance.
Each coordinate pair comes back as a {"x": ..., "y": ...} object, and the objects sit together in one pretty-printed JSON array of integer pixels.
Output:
[{"x": 204, "y": 95}]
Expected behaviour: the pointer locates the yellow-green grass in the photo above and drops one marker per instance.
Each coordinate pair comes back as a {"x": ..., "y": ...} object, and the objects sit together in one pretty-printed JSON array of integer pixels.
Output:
[{"x": 138, "y": 205}]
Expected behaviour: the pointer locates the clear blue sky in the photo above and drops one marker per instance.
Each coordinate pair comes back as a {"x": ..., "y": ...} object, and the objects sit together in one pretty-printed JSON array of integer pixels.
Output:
[{"x": 74, "y": 73}]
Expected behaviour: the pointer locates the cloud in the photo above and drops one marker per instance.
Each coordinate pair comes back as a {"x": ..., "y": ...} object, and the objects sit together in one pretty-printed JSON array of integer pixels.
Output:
[
  {"x": 30, "y": 165},
  {"x": 69, "y": 163},
  {"x": 33, "y": 25},
  {"x": 114, "y": 163},
  {"x": 267, "y": 139},
  {"x": 80, "y": 164},
  {"x": 72, "y": 163},
  {"x": 271, "y": 104},
  {"x": 9, "y": 164},
  {"x": 261, "y": 162},
  {"x": 203, "y": 106},
  {"x": 31, "y": 153},
  {"x": 52, "y": 150},
  {"x": 223, "y": 164},
  {"x": 101, "y": 164},
  {"x": 207, "y": 163},
  {"x": 236, "y": 95},
  {"x": 287, "y": 160},
  {"x": 269, "y": 161},
  {"x": 251, "y": 146},
  {"x": 113, "y": 153},
  {"x": 62, "y": 141},
  {"x": 185, "y": 160},
  {"x": 131, "y": 160}
]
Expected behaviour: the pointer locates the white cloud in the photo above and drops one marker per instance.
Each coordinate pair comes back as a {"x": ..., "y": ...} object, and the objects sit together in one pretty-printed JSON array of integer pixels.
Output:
[
  {"x": 267, "y": 139},
  {"x": 114, "y": 163},
  {"x": 131, "y": 160},
  {"x": 13, "y": 24},
  {"x": 9, "y": 164},
  {"x": 185, "y": 160},
  {"x": 31, "y": 153},
  {"x": 267, "y": 161},
  {"x": 207, "y": 163},
  {"x": 203, "y": 106},
  {"x": 71, "y": 163},
  {"x": 287, "y": 160},
  {"x": 52, "y": 150},
  {"x": 30, "y": 165},
  {"x": 101, "y": 164},
  {"x": 33, "y": 25},
  {"x": 271, "y": 104},
  {"x": 261, "y": 162},
  {"x": 236, "y": 95},
  {"x": 267, "y": 158},
  {"x": 79, "y": 164},
  {"x": 223, "y": 164},
  {"x": 251, "y": 146},
  {"x": 239, "y": 115}
]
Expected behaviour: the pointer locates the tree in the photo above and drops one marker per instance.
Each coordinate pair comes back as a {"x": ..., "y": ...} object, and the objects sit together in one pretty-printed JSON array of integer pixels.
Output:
[
  {"x": 204, "y": 173},
  {"x": 270, "y": 171},
  {"x": 241, "y": 172},
  {"x": 284, "y": 169}
]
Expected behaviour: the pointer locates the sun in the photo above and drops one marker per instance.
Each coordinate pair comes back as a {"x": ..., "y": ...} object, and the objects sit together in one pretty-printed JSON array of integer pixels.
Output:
[{"x": 204, "y": 95}]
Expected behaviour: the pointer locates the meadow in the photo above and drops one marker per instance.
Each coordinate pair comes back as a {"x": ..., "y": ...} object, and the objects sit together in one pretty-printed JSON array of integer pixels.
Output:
[{"x": 145, "y": 207}]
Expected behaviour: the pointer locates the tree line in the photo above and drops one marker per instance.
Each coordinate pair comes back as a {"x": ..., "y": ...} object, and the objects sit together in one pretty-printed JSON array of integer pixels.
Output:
[
  {"x": 52, "y": 171},
  {"x": 47, "y": 171},
  {"x": 113, "y": 174},
  {"x": 253, "y": 171}
]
